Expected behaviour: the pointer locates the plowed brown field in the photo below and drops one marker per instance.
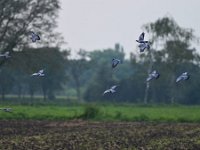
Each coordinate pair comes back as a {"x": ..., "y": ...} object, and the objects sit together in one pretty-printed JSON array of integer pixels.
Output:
[{"x": 81, "y": 135}]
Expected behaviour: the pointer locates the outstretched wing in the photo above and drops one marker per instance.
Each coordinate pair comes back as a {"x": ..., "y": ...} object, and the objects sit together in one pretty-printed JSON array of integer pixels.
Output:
[
  {"x": 113, "y": 87},
  {"x": 141, "y": 37},
  {"x": 179, "y": 78},
  {"x": 34, "y": 74},
  {"x": 150, "y": 77},
  {"x": 32, "y": 33},
  {"x": 37, "y": 37},
  {"x": 105, "y": 92}
]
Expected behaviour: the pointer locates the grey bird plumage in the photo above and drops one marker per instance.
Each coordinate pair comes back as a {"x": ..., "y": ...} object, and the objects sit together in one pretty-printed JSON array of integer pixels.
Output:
[
  {"x": 6, "y": 109},
  {"x": 40, "y": 73},
  {"x": 34, "y": 36},
  {"x": 153, "y": 75},
  {"x": 5, "y": 55},
  {"x": 141, "y": 38},
  {"x": 144, "y": 46},
  {"x": 183, "y": 76},
  {"x": 115, "y": 62},
  {"x": 111, "y": 90}
]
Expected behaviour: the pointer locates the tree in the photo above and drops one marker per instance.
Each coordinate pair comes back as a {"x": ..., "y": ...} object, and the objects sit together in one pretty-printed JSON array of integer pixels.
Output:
[
  {"x": 6, "y": 80},
  {"x": 18, "y": 18},
  {"x": 53, "y": 63},
  {"x": 174, "y": 43},
  {"x": 77, "y": 68}
]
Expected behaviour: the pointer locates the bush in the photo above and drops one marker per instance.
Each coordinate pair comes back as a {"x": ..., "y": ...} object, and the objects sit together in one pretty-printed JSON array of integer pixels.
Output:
[{"x": 90, "y": 112}]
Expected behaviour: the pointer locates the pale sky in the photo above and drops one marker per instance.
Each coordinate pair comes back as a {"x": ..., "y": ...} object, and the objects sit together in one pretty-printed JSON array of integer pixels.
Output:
[{"x": 99, "y": 24}]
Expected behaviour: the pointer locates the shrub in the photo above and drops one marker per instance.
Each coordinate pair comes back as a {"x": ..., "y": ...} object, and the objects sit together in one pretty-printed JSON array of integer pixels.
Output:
[{"x": 90, "y": 112}]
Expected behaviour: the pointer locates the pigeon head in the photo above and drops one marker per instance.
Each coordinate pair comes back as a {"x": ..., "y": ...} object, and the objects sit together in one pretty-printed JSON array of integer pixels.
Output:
[{"x": 158, "y": 75}]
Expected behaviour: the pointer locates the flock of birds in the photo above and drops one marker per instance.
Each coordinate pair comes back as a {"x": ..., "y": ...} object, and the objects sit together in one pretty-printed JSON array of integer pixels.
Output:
[
  {"x": 142, "y": 46},
  {"x": 34, "y": 37},
  {"x": 153, "y": 75}
]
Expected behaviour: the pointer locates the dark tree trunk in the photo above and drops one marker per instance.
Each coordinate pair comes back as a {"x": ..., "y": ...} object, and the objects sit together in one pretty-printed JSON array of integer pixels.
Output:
[
  {"x": 19, "y": 91},
  {"x": 51, "y": 95},
  {"x": 31, "y": 92},
  {"x": 146, "y": 94},
  {"x": 2, "y": 93},
  {"x": 78, "y": 91},
  {"x": 172, "y": 99},
  {"x": 32, "y": 95},
  {"x": 44, "y": 93}
]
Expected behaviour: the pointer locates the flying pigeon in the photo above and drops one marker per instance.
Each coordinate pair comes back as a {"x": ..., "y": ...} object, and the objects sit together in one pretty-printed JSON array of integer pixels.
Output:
[
  {"x": 115, "y": 62},
  {"x": 141, "y": 38},
  {"x": 183, "y": 76},
  {"x": 6, "y": 55},
  {"x": 40, "y": 73},
  {"x": 153, "y": 75},
  {"x": 111, "y": 90},
  {"x": 34, "y": 37},
  {"x": 6, "y": 109},
  {"x": 144, "y": 46}
]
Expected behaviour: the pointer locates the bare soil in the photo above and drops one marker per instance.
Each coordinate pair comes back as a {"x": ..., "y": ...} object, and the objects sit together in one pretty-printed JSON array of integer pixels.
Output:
[{"x": 82, "y": 135}]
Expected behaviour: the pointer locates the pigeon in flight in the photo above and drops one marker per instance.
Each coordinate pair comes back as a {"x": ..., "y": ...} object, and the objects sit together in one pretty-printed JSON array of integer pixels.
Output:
[
  {"x": 183, "y": 76},
  {"x": 115, "y": 62},
  {"x": 5, "y": 55},
  {"x": 34, "y": 37},
  {"x": 153, "y": 75},
  {"x": 144, "y": 46},
  {"x": 111, "y": 90},
  {"x": 141, "y": 38},
  {"x": 40, "y": 73},
  {"x": 6, "y": 109}
]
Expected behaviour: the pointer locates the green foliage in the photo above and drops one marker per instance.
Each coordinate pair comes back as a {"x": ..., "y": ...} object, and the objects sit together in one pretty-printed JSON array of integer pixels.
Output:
[
  {"x": 173, "y": 56},
  {"x": 16, "y": 73},
  {"x": 103, "y": 75},
  {"x": 166, "y": 28},
  {"x": 90, "y": 112},
  {"x": 76, "y": 69},
  {"x": 17, "y": 19}
]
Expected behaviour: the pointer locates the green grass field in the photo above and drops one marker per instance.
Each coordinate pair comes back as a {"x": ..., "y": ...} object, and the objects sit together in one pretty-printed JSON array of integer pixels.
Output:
[{"x": 103, "y": 112}]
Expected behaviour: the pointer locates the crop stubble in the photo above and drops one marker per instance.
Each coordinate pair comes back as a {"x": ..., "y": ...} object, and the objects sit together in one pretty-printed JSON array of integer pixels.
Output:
[{"x": 78, "y": 135}]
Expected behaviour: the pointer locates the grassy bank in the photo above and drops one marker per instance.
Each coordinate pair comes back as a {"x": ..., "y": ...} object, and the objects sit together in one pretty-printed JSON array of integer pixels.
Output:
[{"x": 157, "y": 113}]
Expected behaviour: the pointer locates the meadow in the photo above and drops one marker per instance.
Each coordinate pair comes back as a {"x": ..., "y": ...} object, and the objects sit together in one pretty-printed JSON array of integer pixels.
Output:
[{"x": 104, "y": 112}]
